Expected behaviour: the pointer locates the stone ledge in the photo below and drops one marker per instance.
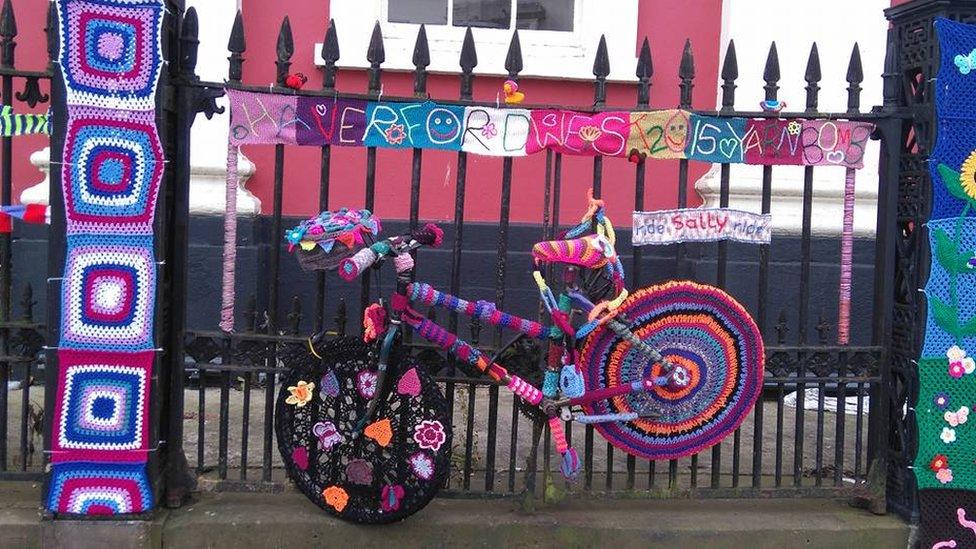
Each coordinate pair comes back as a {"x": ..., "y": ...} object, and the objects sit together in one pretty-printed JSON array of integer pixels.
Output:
[{"x": 288, "y": 520}]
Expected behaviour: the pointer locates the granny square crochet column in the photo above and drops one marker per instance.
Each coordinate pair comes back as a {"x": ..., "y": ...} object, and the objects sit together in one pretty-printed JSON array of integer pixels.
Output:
[
  {"x": 112, "y": 166},
  {"x": 944, "y": 466}
]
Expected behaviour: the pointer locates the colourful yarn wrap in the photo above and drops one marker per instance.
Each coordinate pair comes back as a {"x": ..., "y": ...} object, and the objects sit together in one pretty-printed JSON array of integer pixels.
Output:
[
  {"x": 12, "y": 124},
  {"x": 230, "y": 241},
  {"x": 944, "y": 468},
  {"x": 846, "y": 261},
  {"x": 112, "y": 166},
  {"x": 482, "y": 310}
]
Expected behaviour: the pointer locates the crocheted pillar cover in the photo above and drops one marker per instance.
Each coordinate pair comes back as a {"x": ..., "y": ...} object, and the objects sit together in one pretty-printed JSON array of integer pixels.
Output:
[
  {"x": 944, "y": 467},
  {"x": 112, "y": 166}
]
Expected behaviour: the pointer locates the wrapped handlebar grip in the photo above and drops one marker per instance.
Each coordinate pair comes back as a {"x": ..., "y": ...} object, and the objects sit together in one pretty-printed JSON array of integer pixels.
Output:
[{"x": 352, "y": 267}]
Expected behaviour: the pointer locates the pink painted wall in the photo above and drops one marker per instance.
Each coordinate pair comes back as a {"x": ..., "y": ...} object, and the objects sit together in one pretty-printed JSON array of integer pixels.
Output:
[
  {"x": 31, "y": 54},
  {"x": 665, "y": 22}
]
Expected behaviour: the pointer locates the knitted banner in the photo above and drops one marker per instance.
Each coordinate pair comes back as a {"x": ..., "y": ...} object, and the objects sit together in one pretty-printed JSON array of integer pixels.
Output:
[
  {"x": 112, "y": 168},
  {"x": 272, "y": 119},
  {"x": 944, "y": 465},
  {"x": 701, "y": 225}
]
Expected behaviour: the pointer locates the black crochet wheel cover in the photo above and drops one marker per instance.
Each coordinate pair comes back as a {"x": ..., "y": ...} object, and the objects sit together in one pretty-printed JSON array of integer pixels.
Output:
[{"x": 354, "y": 477}]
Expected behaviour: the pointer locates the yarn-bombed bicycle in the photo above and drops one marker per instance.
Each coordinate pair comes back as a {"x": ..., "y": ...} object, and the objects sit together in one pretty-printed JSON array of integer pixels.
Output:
[{"x": 662, "y": 373}]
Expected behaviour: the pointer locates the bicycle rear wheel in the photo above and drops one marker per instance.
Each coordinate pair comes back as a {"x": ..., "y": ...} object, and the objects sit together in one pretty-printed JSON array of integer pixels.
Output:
[
  {"x": 382, "y": 473},
  {"x": 699, "y": 328}
]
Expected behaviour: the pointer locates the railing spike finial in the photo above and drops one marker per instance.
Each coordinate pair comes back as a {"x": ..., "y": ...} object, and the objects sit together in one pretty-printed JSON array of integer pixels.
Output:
[
  {"x": 601, "y": 68},
  {"x": 891, "y": 78},
  {"x": 468, "y": 61},
  {"x": 645, "y": 70},
  {"x": 237, "y": 45},
  {"x": 855, "y": 75},
  {"x": 52, "y": 31},
  {"x": 190, "y": 42},
  {"x": 686, "y": 72},
  {"x": 8, "y": 31},
  {"x": 284, "y": 49},
  {"x": 771, "y": 73},
  {"x": 812, "y": 76},
  {"x": 421, "y": 60},
  {"x": 329, "y": 55},
  {"x": 730, "y": 72},
  {"x": 376, "y": 55},
  {"x": 513, "y": 59}
]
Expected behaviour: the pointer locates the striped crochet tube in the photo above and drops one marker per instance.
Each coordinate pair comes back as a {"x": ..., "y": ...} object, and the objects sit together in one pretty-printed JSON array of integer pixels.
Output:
[
  {"x": 447, "y": 341},
  {"x": 585, "y": 252},
  {"x": 525, "y": 390},
  {"x": 558, "y": 435},
  {"x": 483, "y": 310}
]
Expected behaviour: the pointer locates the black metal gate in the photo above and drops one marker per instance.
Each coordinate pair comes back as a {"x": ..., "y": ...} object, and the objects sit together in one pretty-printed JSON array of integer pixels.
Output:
[{"x": 782, "y": 451}]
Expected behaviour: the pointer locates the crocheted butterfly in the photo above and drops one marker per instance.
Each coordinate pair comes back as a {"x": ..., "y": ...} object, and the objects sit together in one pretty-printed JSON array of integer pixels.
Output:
[{"x": 966, "y": 63}]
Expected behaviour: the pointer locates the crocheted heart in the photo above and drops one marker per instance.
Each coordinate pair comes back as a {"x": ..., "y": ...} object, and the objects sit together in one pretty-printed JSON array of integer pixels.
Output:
[
  {"x": 330, "y": 385},
  {"x": 300, "y": 456},
  {"x": 409, "y": 383},
  {"x": 380, "y": 431}
]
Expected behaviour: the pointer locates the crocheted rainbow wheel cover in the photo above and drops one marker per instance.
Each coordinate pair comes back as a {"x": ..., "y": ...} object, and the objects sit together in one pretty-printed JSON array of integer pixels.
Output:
[
  {"x": 699, "y": 328},
  {"x": 365, "y": 482}
]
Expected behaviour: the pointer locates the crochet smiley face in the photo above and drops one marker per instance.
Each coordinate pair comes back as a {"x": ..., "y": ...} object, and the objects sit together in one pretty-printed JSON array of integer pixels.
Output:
[{"x": 442, "y": 125}]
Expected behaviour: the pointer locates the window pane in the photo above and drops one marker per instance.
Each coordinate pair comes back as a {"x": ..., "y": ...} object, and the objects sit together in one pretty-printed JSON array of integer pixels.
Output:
[
  {"x": 431, "y": 12},
  {"x": 555, "y": 15},
  {"x": 492, "y": 14}
]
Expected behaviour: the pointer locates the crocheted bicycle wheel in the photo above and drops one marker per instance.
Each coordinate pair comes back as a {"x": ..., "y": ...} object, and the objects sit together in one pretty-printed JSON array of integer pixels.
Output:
[
  {"x": 699, "y": 328},
  {"x": 395, "y": 464}
]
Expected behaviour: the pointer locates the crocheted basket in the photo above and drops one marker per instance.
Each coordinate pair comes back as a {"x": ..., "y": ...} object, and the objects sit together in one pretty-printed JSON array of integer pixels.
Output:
[{"x": 323, "y": 241}]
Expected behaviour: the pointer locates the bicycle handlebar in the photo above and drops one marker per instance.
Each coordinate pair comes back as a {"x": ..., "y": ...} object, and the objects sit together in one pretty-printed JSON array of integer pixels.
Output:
[{"x": 428, "y": 235}]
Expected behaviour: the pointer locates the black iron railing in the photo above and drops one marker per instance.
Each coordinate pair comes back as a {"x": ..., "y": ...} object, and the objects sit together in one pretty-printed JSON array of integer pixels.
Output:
[
  {"x": 22, "y": 334},
  {"x": 782, "y": 451}
]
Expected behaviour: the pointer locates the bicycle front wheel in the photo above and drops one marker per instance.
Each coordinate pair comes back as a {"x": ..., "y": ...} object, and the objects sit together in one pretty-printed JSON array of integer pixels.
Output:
[
  {"x": 369, "y": 472},
  {"x": 698, "y": 328}
]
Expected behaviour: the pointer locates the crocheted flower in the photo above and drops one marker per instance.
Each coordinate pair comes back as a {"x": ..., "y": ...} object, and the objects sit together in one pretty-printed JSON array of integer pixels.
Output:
[
  {"x": 948, "y": 435},
  {"x": 794, "y": 128},
  {"x": 336, "y": 497},
  {"x": 938, "y": 463},
  {"x": 967, "y": 176},
  {"x": 957, "y": 418},
  {"x": 359, "y": 471},
  {"x": 944, "y": 475},
  {"x": 422, "y": 465},
  {"x": 301, "y": 394},
  {"x": 971, "y": 264},
  {"x": 366, "y": 384},
  {"x": 489, "y": 130},
  {"x": 430, "y": 435},
  {"x": 941, "y": 400},
  {"x": 959, "y": 362},
  {"x": 395, "y": 134},
  {"x": 391, "y": 496},
  {"x": 327, "y": 434}
]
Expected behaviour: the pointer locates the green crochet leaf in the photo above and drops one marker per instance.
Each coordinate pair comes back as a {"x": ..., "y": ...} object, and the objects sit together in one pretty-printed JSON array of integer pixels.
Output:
[
  {"x": 946, "y": 316},
  {"x": 968, "y": 328},
  {"x": 947, "y": 252},
  {"x": 953, "y": 183}
]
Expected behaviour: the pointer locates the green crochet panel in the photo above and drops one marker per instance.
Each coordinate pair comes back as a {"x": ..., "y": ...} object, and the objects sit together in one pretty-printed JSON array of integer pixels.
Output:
[{"x": 940, "y": 392}]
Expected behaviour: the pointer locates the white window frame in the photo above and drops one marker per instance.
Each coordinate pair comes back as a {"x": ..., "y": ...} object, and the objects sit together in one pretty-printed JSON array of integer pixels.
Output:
[{"x": 545, "y": 54}]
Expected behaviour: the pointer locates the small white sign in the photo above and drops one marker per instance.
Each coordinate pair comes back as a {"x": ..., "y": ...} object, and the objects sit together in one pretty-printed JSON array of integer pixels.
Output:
[{"x": 701, "y": 225}]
